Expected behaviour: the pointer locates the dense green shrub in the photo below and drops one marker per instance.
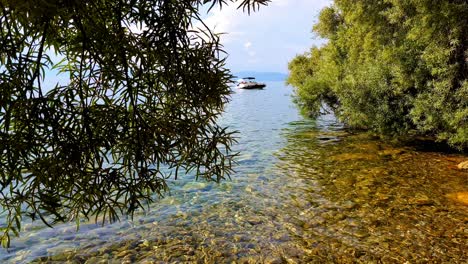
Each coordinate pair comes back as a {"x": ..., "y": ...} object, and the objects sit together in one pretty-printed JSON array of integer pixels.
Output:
[{"x": 391, "y": 66}]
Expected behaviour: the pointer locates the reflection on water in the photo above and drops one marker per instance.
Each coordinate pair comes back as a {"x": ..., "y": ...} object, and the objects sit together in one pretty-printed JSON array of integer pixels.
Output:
[{"x": 303, "y": 192}]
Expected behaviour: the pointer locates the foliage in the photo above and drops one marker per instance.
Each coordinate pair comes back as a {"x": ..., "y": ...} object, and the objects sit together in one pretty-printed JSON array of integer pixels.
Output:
[
  {"x": 391, "y": 66},
  {"x": 145, "y": 90}
]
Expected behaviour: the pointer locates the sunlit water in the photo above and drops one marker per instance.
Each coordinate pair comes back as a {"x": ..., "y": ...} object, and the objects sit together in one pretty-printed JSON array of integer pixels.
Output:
[{"x": 303, "y": 192}]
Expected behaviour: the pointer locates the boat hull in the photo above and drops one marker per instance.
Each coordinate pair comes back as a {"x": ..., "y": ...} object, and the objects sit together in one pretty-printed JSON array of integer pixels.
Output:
[{"x": 252, "y": 86}]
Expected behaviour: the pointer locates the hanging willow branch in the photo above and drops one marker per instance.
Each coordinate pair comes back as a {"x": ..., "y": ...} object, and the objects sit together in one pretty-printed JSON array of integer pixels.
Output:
[{"x": 143, "y": 95}]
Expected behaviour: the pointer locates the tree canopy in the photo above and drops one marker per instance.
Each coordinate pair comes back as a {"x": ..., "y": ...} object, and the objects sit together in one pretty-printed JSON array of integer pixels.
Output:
[
  {"x": 144, "y": 91},
  {"x": 393, "y": 66}
]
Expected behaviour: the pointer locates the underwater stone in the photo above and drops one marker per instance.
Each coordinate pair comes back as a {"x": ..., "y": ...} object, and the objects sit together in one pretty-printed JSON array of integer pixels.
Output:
[
  {"x": 463, "y": 165},
  {"x": 349, "y": 205},
  {"x": 460, "y": 197},
  {"x": 420, "y": 199}
]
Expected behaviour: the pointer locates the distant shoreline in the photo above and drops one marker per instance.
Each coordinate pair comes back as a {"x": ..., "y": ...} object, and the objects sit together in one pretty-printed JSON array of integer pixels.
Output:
[{"x": 262, "y": 76}]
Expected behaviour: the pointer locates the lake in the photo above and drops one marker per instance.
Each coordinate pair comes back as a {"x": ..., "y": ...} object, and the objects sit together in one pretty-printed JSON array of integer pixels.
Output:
[{"x": 304, "y": 191}]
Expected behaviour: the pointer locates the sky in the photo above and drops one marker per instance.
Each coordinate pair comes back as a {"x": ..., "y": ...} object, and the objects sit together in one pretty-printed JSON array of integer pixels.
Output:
[
  {"x": 268, "y": 39},
  {"x": 264, "y": 41}
]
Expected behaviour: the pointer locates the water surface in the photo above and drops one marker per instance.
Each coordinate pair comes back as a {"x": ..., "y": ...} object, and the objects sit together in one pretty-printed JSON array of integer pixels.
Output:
[{"x": 304, "y": 191}]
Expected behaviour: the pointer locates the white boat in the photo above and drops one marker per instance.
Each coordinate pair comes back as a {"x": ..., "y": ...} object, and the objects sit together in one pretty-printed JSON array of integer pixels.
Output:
[{"x": 249, "y": 83}]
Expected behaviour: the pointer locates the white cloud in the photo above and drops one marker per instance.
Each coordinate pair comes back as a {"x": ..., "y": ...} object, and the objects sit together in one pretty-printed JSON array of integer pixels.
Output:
[
  {"x": 268, "y": 38},
  {"x": 223, "y": 21}
]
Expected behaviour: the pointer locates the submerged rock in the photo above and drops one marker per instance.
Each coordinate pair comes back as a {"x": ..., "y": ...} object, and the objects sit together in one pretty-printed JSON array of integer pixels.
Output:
[
  {"x": 460, "y": 197},
  {"x": 353, "y": 156},
  {"x": 391, "y": 152},
  {"x": 349, "y": 205},
  {"x": 420, "y": 199},
  {"x": 463, "y": 165}
]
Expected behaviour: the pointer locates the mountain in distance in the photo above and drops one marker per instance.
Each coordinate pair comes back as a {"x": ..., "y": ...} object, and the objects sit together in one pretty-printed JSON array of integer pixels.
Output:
[{"x": 262, "y": 76}]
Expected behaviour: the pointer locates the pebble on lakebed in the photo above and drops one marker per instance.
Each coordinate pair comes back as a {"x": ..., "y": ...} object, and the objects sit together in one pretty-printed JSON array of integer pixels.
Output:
[
  {"x": 354, "y": 156},
  {"x": 463, "y": 165},
  {"x": 460, "y": 197}
]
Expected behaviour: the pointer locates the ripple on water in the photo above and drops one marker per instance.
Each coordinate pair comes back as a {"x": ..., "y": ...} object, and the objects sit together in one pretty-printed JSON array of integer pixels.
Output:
[{"x": 304, "y": 191}]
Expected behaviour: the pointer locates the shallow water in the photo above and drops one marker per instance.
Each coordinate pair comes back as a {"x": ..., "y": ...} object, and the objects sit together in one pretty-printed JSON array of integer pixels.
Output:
[{"x": 304, "y": 191}]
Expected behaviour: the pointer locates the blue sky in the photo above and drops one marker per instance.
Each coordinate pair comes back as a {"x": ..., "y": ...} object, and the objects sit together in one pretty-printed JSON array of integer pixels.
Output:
[
  {"x": 263, "y": 41},
  {"x": 268, "y": 39}
]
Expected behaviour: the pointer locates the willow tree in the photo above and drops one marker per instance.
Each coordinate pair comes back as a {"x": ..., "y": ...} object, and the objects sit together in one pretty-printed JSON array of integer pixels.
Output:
[
  {"x": 144, "y": 89},
  {"x": 395, "y": 67}
]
